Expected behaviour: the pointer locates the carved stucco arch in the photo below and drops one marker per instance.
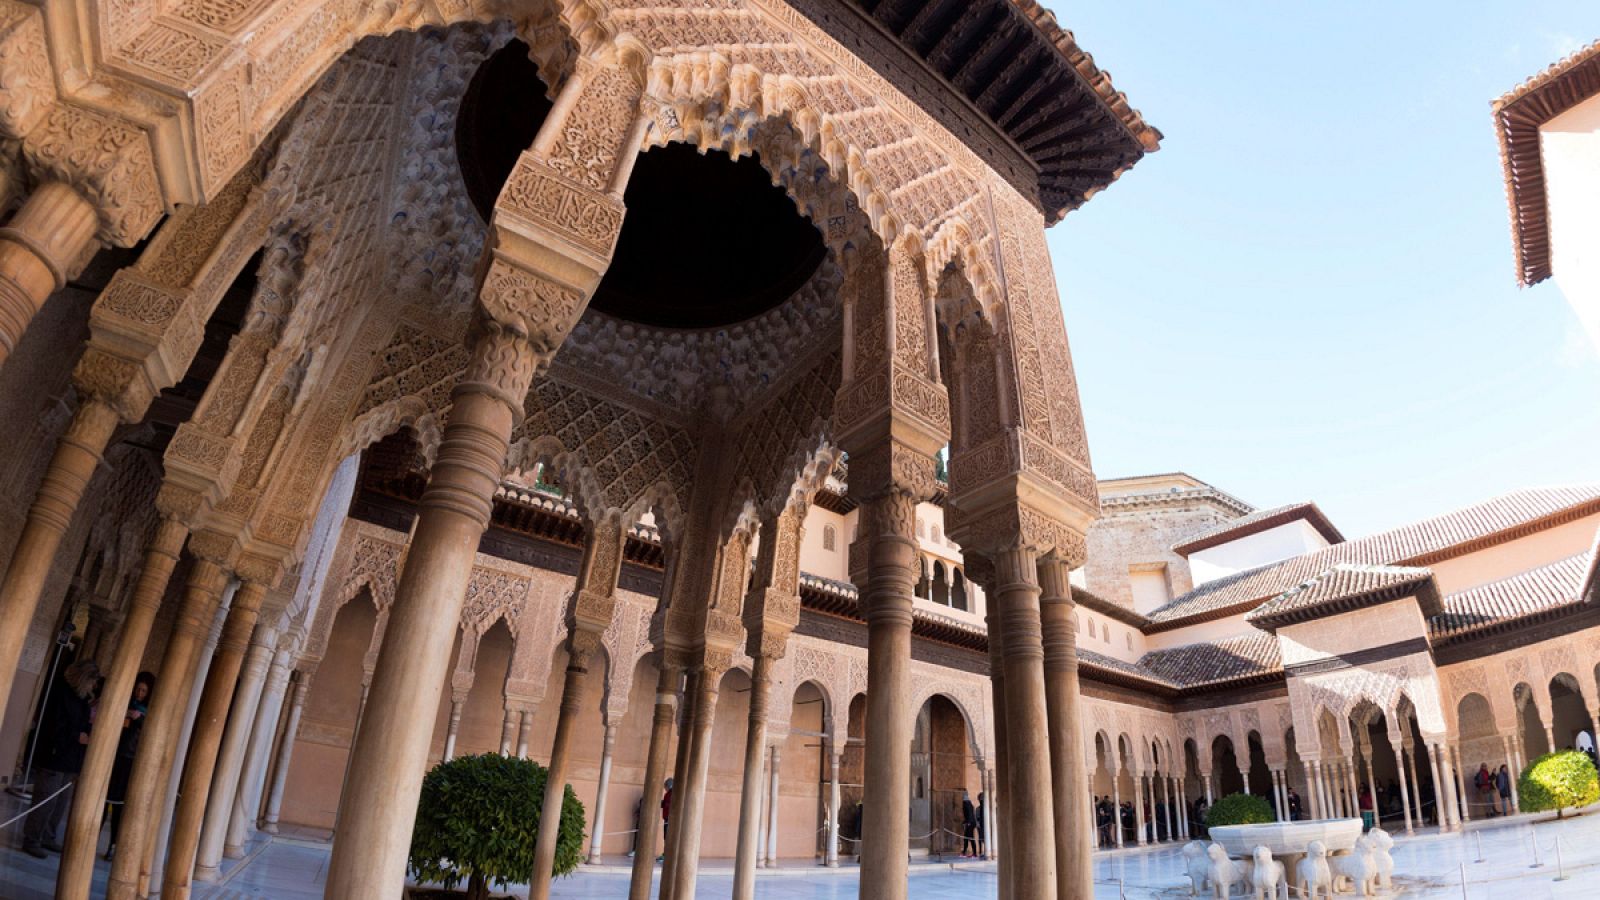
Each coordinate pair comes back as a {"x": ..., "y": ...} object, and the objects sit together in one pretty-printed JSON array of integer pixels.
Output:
[{"x": 966, "y": 698}]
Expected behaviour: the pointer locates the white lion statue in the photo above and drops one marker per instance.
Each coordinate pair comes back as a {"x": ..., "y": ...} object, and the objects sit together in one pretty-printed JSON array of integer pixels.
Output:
[
  {"x": 1382, "y": 843},
  {"x": 1358, "y": 866},
  {"x": 1196, "y": 864},
  {"x": 1313, "y": 878},
  {"x": 1224, "y": 873},
  {"x": 1268, "y": 877}
]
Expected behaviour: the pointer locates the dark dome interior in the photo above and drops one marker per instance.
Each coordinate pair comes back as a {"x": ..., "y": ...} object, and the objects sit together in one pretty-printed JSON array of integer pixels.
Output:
[{"x": 707, "y": 240}]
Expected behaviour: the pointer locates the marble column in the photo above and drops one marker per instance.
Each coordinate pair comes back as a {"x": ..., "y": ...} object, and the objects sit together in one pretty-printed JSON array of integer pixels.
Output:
[
  {"x": 1207, "y": 779},
  {"x": 508, "y": 731},
  {"x": 680, "y": 776},
  {"x": 748, "y": 850},
  {"x": 1440, "y": 790},
  {"x": 71, "y": 467},
  {"x": 689, "y": 795},
  {"x": 992, "y": 815},
  {"x": 1351, "y": 792},
  {"x": 1319, "y": 798},
  {"x": 280, "y": 767},
  {"x": 1140, "y": 837},
  {"x": 158, "y": 741},
  {"x": 1513, "y": 771},
  {"x": 230, "y": 756},
  {"x": 772, "y": 806},
  {"x": 582, "y": 644},
  {"x": 88, "y": 798},
  {"x": 1183, "y": 808},
  {"x": 1074, "y": 845},
  {"x": 378, "y": 805},
  {"x": 1416, "y": 784},
  {"x": 608, "y": 747},
  {"x": 1116, "y": 807},
  {"x": 655, "y": 772},
  {"x": 889, "y": 530},
  {"x": 247, "y": 800},
  {"x": 1032, "y": 835},
  {"x": 525, "y": 725},
  {"x": 155, "y": 854},
  {"x": 200, "y": 764},
  {"x": 1372, "y": 785},
  {"x": 830, "y": 854},
  {"x": 453, "y": 726},
  {"x": 1400, "y": 768},
  {"x": 44, "y": 244},
  {"x": 998, "y": 796},
  {"x": 1454, "y": 752}
]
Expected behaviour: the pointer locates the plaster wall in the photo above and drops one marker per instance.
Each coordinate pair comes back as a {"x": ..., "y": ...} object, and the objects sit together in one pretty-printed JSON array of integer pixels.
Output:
[
  {"x": 1362, "y": 629},
  {"x": 815, "y": 556},
  {"x": 1515, "y": 557},
  {"x": 1227, "y": 627},
  {"x": 1570, "y": 144},
  {"x": 1141, "y": 536},
  {"x": 1281, "y": 542}
]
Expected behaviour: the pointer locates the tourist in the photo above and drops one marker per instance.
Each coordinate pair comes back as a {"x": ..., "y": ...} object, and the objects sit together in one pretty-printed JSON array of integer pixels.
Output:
[
  {"x": 969, "y": 827},
  {"x": 1369, "y": 818},
  {"x": 1484, "y": 783},
  {"x": 983, "y": 846},
  {"x": 1294, "y": 804},
  {"x": 666, "y": 816},
  {"x": 63, "y": 732},
  {"x": 127, "y": 746},
  {"x": 1502, "y": 782}
]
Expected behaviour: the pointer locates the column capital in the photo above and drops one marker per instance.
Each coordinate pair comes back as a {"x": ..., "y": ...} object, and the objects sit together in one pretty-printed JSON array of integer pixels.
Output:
[{"x": 503, "y": 362}]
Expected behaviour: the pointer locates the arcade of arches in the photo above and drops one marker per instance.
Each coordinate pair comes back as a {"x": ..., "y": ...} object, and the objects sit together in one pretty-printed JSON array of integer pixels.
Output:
[{"x": 658, "y": 392}]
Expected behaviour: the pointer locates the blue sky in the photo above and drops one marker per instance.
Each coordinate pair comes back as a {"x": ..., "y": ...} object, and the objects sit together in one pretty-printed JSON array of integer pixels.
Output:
[{"x": 1308, "y": 292}]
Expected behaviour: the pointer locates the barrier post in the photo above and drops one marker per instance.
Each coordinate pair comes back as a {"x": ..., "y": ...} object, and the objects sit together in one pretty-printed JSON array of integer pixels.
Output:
[{"x": 1561, "y": 872}]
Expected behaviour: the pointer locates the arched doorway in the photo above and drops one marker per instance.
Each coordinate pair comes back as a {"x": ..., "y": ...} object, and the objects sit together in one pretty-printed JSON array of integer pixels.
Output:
[{"x": 942, "y": 773}]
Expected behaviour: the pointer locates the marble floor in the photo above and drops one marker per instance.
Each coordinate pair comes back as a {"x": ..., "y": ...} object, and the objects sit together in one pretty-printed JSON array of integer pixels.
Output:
[{"x": 1498, "y": 859}]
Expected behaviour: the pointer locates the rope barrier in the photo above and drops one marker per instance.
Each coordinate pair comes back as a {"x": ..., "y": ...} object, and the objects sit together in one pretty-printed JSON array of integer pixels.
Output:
[{"x": 37, "y": 806}]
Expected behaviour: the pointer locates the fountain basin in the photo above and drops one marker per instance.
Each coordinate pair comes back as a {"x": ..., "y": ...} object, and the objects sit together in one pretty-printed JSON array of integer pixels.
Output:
[{"x": 1288, "y": 839}]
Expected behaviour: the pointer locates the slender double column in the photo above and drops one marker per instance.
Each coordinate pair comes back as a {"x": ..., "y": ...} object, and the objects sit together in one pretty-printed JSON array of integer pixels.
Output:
[
  {"x": 70, "y": 469},
  {"x": 152, "y": 766},
  {"x": 280, "y": 766},
  {"x": 1515, "y": 772},
  {"x": 247, "y": 802},
  {"x": 772, "y": 809},
  {"x": 42, "y": 246},
  {"x": 378, "y": 805},
  {"x": 231, "y": 756},
  {"x": 689, "y": 794},
  {"x": 680, "y": 777},
  {"x": 748, "y": 848},
  {"x": 581, "y": 647},
  {"x": 1396, "y": 745},
  {"x": 608, "y": 746},
  {"x": 830, "y": 853},
  {"x": 88, "y": 799},
  {"x": 1072, "y": 808},
  {"x": 655, "y": 770},
  {"x": 200, "y": 764}
]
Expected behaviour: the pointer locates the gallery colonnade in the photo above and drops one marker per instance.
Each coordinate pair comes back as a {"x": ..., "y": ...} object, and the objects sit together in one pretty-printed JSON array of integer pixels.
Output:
[{"x": 313, "y": 278}]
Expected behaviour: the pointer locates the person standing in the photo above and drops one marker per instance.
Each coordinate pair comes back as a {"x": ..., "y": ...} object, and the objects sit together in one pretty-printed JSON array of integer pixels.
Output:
[
  {"x": 983, "y": 844},
  {"x": 63, "y": 736},
  {"x": 666, "y": 817},
  {"x": 1502, "y": 783},
  {"x": 1294, "y": 804},
  {"x": 127, "y": 747},
  {"x": 969, "y": 827}
]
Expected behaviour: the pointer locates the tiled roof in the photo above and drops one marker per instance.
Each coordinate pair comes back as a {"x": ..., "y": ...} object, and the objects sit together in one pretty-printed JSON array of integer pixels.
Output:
[
  {"x": 1096, "y": 603},
  {"x": 1111, "y": 665},
  {"x": 1259, "y": 521},
  {"x": 1345, "y": 587},
  {"x": 1211, "y": 662},
  {"x": 1517, "y": 118},
  {"x": 1533, "y": 593},
  {"x": 1500, "y": 518}
]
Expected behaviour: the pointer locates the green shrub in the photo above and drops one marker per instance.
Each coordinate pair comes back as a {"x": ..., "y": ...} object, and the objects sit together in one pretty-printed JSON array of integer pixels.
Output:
[
  {"x": 478, "y": 820},
  {"x": 1239, "y": 809},
  {"x": 1557, "y": 781}
]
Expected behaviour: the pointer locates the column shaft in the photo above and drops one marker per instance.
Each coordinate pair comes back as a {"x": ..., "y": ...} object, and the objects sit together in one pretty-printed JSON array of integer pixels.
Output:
[
  {"x": 755, "y": 745},
  {"x": 579, "y": 649},
  {"x": 280, "y": 768},
  {"x": 1032, "y": 838},
  {"x": 230, "y": 756},
  {"x": 452, "y": 727},
  {"x": 1441, "y": 814},
  {"x": 772, "y": 812},
  {"x": 1140, "y": 837},
  {"x": 70, "y": 469},
  {"x": 690, "y": 794},
  {"x": 158, "y": 740},
  {"x": 655, "y": 771},
  {"x": 1400, "y": 768},
  {"x": 830, "y": 855},
  {"x": 200, "y": 764},
  {"x": 1416, "y": 785},
  {"x": 607, "y": 747},
  {"x": 1116, "y": 807},
  {"x": 252, "y": 782},
  {"x": 999, "y": 798},
  {"x": 378, "y": 805},
  {"x": 680, "y": 777},
  {"x": 1454, "y": 751},
  {"x": 1073, "y": 809},
  {"x": 88, "y": 798}
]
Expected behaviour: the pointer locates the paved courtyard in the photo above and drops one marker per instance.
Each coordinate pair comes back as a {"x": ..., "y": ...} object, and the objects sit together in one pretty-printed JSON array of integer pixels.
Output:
[{"x": 1428, "y": 865}]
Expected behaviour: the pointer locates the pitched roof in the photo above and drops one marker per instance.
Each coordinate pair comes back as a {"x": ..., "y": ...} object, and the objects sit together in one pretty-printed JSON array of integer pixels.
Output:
[
  {"x": 1212, "y": 662},
  {"x": 1492, "y": 521},
  {"x": 1537, "y": 592},
  {"x": 1517, "y": 117},
  {"x": 1257, "y": 522},
  {"x": 1343, "y": 588}
]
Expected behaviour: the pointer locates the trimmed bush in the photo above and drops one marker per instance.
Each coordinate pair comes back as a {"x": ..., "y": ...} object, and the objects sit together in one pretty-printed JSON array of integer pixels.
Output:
[
  {"x": 478, "y": 820},
  {"x": 1239, "y": 809},
  {"x": 1557, "y": 781}
]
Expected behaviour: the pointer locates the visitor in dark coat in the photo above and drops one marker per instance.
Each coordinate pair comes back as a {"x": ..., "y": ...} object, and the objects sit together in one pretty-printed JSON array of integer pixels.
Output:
[{"x": 63, "y": 736}]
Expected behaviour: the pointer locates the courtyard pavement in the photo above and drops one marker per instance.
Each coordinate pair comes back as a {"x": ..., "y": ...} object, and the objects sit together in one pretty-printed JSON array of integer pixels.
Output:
[{"x": 1518, "y": 860}]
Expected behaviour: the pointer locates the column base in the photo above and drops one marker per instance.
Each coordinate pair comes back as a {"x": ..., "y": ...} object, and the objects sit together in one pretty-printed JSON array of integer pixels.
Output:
[
  {"x": 270, "y": 828},
  {"x": 207, "y": 873},
  {"x": 231, "y": 852}
]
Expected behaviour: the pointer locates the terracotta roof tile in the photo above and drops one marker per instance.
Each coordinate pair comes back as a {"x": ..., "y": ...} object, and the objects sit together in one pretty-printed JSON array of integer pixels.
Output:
[
  {"x": 1211, "y": 662},
  {"x": 1345, "y": 587},
  {"x": 1258, "y": 521},
  {"x": 1416, "y": 544},
  {"x": 1532, "y": 593}
]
